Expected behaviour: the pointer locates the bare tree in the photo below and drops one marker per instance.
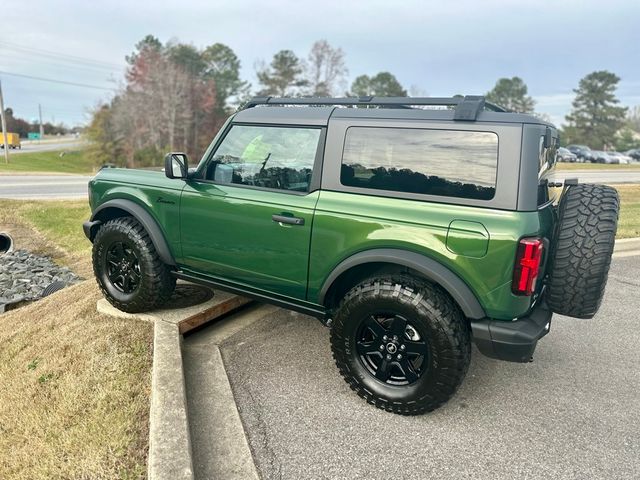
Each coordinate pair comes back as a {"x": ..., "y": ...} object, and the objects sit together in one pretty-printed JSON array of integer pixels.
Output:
[{"x": 325, "y": 70}]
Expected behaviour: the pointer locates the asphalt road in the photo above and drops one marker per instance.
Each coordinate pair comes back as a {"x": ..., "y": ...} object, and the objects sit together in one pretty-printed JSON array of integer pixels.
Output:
[
  {"x": 47, "y": 146},
  {"x": 619, "y": 175},
  {"x": 43, "y": 187},
  {"x": 573, "y": 413},
  {"x": 75, "y": 186}
]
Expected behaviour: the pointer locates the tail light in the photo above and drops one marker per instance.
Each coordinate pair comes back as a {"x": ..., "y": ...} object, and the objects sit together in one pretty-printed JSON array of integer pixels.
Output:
[{"x": 527, "y": 266}]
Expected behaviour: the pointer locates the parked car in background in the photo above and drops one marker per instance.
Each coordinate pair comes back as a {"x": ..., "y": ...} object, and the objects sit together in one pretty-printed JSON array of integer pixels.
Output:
[
  {"x": 584, "y": 153},
  {"x": 604, "y": 157},
  {"x": 634, "y": 154},
  {"x": 565, "y": 155},
  {"x": 621, "y": 157}
]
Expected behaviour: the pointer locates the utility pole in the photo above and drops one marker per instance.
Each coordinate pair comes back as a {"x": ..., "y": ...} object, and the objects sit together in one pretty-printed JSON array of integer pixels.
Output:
[
  {"x": 4, "y": 127},
  {"x": 41, "y": 127}
]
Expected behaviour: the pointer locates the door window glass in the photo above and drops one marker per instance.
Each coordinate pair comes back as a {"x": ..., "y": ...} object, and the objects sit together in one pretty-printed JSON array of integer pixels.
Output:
[{"x": 266, "y": 156}]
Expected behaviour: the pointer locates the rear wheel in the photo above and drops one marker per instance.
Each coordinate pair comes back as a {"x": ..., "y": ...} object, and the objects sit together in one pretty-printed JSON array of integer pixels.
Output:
[
  {"x": 401, "y": 344},
  {"x": 582, "y": 252},
  {"x": 128, "y": 269}
]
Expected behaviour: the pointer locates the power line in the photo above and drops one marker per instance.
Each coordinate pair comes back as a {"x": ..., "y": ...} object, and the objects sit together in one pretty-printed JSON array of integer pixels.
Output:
[
  {"x": 38, "y": 51},
  {"x": 15, "y": 56},
  {"x": 51, "y": 80}
]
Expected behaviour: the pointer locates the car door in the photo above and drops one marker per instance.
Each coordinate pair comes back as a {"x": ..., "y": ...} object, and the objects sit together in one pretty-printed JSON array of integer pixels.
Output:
[{"x": 247, "y": 218}]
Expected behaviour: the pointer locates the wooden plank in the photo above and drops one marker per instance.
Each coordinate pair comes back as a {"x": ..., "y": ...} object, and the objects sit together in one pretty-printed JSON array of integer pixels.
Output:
[{"x": 214, "y": 312}]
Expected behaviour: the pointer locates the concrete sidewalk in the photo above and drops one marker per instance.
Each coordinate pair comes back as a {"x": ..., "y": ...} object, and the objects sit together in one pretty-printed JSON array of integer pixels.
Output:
[
  {"x": 626, "y": 247},
  {"x": 191, "y": 306},
  {"x": 219, "y": 445}
]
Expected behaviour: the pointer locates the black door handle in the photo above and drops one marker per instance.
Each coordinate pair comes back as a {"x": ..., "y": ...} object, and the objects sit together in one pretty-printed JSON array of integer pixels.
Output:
[{"x": 289, "y": 220}]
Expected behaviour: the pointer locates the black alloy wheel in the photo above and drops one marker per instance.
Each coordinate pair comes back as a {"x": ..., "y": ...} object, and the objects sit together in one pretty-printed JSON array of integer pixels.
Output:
[
  {"x": 401, "y": 343},
  {"x": 123, "y": 267},
  {"x": 391, "y": 349}
]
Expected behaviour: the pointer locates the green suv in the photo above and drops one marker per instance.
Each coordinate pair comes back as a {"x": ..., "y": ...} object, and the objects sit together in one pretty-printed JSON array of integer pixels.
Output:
[{"x": 409, "y": 226}]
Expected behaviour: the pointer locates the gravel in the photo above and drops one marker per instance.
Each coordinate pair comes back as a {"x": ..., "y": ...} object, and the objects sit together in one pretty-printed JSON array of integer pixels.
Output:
[{"x": 24, "y": 276}]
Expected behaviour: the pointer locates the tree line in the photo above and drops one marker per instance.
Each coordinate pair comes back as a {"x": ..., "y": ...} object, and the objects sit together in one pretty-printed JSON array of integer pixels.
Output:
[
  {"x": 176, "y": 97},
  {"x": 596, "y": 119},
  {"x": 23, "y": 127}
]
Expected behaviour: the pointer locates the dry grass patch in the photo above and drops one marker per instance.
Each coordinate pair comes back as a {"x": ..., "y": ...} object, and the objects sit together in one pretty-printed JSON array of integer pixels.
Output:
[
  {"x": 74, "y": 401},
  {"x": 562, "y": 166}
]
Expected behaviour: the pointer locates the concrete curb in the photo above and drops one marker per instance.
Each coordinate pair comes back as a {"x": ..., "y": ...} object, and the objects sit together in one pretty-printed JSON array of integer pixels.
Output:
[
  {"x": 170, "y": 454},
  {"x": 625, "y": 244},
  {"x": 169, "y": 437},
  {"x": 626, "y": 247},
  {"x": 221, "y": 446}
]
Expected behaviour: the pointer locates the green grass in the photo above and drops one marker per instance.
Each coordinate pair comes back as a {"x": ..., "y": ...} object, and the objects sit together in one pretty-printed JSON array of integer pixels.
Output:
[
  {"x": 629, "y": 222},
  {"x": 596, "y": 166},
  {"x": 60, "y": 221},
  {"x": 75, "y": 161},
  {"x": 52, "y": 228}
]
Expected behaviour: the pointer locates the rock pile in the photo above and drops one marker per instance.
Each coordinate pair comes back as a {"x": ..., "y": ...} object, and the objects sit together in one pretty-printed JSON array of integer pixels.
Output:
[{"x": 24, "y": 275}]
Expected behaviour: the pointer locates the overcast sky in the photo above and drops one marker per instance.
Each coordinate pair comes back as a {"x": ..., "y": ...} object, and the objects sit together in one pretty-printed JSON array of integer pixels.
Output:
[{"x": 434, "y": 48}]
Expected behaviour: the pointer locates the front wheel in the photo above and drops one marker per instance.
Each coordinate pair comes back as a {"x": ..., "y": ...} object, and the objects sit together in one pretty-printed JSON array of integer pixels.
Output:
[
  {"x": 128, "y": 269},
  {"x": 401, "y": 344}
]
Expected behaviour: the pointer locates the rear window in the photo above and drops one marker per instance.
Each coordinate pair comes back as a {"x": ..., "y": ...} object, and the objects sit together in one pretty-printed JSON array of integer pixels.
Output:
[{"x": 452, "y": 163}]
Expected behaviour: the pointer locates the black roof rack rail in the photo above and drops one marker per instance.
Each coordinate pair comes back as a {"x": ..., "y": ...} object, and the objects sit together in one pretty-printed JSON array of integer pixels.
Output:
[{"x": 467, "y": 108}]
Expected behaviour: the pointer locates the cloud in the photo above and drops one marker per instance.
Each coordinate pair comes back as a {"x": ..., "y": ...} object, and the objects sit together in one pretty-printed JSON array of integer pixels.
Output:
[{"x": 442, "y": 48}]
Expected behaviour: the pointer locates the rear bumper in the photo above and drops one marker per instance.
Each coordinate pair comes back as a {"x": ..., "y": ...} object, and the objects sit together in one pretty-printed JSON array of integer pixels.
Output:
[{"x": 512, "y": 341}]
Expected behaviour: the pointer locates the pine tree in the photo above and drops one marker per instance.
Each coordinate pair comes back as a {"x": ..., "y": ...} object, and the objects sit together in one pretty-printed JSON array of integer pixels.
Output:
[
  {"x": 283, "y": 76},
  {"x": 596, "y": 116},
  {"x": 511, "y": 94}
]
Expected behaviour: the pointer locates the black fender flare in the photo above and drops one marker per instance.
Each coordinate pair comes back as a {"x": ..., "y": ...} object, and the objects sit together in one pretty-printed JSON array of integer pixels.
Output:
[
  {"x": 146, "y": 220},
  {"x": 429, "y": 268}
]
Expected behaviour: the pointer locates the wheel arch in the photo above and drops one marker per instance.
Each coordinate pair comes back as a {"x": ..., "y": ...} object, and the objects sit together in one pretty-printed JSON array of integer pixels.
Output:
[
  {"x": 364, "y": 264},
  {"x": 122, "y": 208}
]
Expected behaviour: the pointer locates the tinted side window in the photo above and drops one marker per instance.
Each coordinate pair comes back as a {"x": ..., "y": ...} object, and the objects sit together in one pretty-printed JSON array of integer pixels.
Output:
[
  {"x": 266, "y": 156},
  {"x": 546, "y": 170},
  {"x": 451, "y": 163}
]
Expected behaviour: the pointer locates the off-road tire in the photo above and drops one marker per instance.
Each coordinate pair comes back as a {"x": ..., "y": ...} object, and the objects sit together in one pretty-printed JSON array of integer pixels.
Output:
[
  {"x": 156, "y": 283},
  {"x": 588, "y": 219},
  {"x": 443, "y": 325}
]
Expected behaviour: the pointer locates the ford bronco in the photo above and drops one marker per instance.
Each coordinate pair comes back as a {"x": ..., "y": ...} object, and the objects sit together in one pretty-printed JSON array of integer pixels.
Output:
[{"x": 411, "y": 227}]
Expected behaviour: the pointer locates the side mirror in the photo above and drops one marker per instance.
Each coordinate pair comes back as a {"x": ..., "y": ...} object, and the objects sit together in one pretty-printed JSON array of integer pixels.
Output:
[{"x": 176, "y": 165}]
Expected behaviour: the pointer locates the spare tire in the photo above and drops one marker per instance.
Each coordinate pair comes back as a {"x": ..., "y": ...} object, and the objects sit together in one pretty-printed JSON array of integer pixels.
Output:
[{"x": 588, "y": 219}]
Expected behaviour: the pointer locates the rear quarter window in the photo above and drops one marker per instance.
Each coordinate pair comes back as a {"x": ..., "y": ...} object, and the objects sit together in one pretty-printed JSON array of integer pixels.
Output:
[
  {"x": 546, "y": 173},
  {"x": 455, "y": 163}
]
